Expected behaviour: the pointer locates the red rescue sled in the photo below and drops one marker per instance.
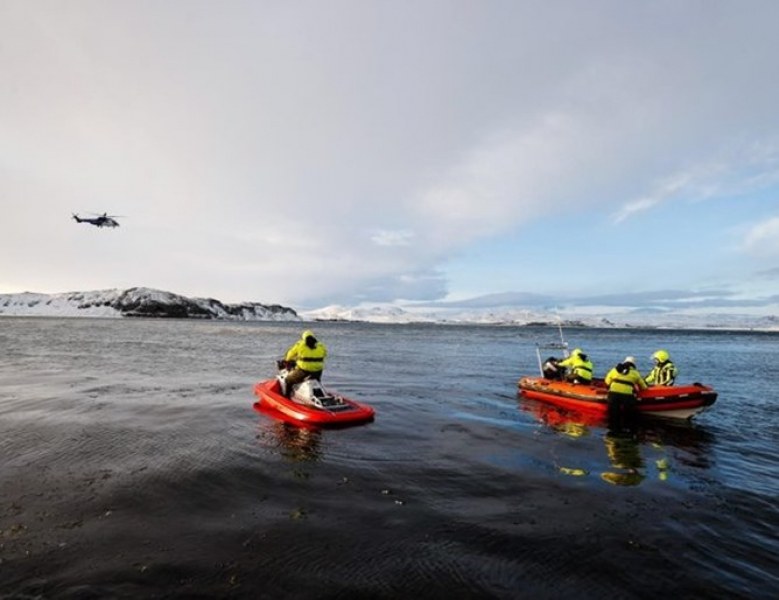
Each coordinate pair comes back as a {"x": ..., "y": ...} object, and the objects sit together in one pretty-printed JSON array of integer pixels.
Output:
[
  {"x": 676, "y": 402},
  {"x": 328, "y": 409}
]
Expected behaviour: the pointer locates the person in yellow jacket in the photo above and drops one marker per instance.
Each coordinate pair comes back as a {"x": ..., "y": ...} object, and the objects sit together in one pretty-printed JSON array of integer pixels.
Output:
[
  {"x": 664, "y": 372},
  {"x": 623, "y": 382},
  {"x": 308, "y": 355},
  {"x": 579, "y": 367}
]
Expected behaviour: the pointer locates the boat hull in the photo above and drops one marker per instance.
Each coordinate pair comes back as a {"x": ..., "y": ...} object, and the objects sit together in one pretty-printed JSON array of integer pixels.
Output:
[
  {"x": 675, "y": 402},
  {"x": 348, "y": 412}
]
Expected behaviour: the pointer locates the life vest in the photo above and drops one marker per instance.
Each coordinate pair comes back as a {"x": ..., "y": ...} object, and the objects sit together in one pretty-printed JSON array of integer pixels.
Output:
[
  {"x": 582, "y": 369},
  {"x": 663, "y": 374},
  {"x": 625, "y": 383},
  {"x": 307, "y": 359}
]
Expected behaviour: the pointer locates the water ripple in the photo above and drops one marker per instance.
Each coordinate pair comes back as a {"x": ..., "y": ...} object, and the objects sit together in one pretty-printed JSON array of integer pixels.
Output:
[{"x": 133, "y": 465}]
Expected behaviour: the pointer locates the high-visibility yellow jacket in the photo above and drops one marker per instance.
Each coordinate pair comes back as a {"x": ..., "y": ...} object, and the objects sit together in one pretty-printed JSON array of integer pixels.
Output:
[
  {"x": 662, "y": 374},
  {"x": 625, "y": 383},
  {"x": 579, "y": 367},
  {"x": 307, "y": 359}
]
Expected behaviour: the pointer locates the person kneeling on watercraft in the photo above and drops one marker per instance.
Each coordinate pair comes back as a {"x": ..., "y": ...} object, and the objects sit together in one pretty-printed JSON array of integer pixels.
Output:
[
  {"x": 664, "y": 372},
  {"x": 578, "y": 366},
  {"x": 308, "y": 355},
  {"x": 623, "y": 382}
]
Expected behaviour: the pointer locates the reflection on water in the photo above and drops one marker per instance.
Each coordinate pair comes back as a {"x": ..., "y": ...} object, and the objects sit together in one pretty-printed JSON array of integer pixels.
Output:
[
  {"x": 296, "y": 443},
  {"x": 133, "y": 466},
  {"x": 625, "y": 458},
  {"x": 567, "y": 422},
  {"x": 632, "y": 454}
]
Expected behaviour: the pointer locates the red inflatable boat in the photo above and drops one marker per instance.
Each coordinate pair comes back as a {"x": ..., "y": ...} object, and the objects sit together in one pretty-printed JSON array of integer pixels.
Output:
[
  {"x": 677, "y": 402},
  {"x": 319, "y": 409}
]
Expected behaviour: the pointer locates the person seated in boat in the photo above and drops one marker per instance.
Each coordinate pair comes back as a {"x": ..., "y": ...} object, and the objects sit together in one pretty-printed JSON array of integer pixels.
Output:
[
  {"x": 578, "y": 366},
  {"x": 551, "y": 370},
  {"x": 623, "y": 382},
  {"x": 308, "y": 354},
  {"x": 664, "y": 372}
]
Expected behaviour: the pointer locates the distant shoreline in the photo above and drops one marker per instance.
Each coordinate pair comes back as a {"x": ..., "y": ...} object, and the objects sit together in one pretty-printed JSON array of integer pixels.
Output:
[
  {"x": 421, "y": 323},
  {"x": 143, "y": 302}
]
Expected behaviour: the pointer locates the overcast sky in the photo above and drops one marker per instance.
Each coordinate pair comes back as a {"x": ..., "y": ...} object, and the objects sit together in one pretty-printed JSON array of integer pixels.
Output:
[{"x": 318, "y": 152}]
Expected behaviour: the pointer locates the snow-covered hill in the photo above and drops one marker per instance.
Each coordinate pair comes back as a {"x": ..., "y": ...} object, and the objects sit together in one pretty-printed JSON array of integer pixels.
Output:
[
  {"x": 146, "y": 302},
  {"x": 396, "y": 314},
  {"x": 138, "y": 302},
  {"x": 510, "y": 315}
]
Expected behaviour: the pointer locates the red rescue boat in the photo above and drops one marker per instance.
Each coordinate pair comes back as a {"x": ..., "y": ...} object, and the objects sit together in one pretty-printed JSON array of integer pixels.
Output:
[
  {"x": 320, "y": 409},
  {"x": 676, "y": 402}
]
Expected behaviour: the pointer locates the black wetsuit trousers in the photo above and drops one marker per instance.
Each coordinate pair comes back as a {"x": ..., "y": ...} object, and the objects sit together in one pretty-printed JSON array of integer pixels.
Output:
[
  {"x": 622, "y": 409},
  {"x": 298, "y": 375}
]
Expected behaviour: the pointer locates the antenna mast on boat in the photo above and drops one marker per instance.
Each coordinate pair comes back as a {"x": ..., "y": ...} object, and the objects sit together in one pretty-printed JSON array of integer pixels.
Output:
[{"x": 561, "y": 345}]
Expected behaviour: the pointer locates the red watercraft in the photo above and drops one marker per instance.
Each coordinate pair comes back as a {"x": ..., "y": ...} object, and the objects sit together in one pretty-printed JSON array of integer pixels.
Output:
[
  {"x": 677, "y": 401},
  {"x": 310, "y": 404}
]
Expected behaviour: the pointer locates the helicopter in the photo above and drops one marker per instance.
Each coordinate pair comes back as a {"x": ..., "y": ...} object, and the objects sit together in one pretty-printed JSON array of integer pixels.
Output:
[{"x": 104, "y": 220}]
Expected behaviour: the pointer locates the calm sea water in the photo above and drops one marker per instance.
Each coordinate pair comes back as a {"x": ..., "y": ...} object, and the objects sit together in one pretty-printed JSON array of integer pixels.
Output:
[{"x": 133, "y": 465}]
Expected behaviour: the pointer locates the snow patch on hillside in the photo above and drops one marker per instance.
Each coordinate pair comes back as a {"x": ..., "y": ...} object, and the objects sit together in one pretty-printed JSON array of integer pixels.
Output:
[
  {"x": 137, "y": 302},
  {"x": 148, "y": 302},
  {"x": 594, "y": 317}
]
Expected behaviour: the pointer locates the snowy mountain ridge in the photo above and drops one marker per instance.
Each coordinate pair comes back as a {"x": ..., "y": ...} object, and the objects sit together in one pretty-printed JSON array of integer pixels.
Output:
[
  {"x": 512, "y": 315},
  {"x": 148, "y": 302},
  {"x": 138, "y": 302}
]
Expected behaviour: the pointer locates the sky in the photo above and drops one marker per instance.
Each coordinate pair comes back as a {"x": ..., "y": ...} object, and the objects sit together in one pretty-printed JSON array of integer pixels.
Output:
[{"x": 345, "y": 152}]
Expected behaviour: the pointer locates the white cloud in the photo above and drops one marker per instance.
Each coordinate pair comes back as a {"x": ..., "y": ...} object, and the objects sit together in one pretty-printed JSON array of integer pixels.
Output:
[
  {"x": 736, "y": 171},
  {"x": 392, "y": 238},
  {"x": 634, "y": 207},
  {"x": 242, "y": 142},
  {"x": 507, "y": 178},
  {"x": 763, "y": 239}
]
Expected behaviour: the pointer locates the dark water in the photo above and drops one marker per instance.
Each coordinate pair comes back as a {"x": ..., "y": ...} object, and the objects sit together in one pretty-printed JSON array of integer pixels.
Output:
[{"x": 133, "y": 465}]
